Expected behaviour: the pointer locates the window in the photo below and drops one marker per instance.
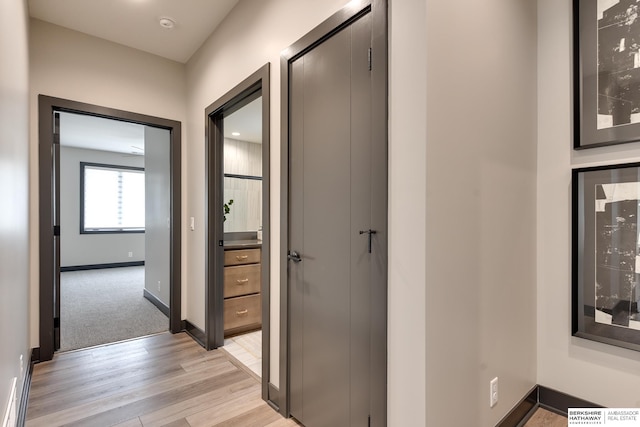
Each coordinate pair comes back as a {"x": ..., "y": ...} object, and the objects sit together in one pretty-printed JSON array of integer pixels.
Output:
[{"x": 111, "y": 199}]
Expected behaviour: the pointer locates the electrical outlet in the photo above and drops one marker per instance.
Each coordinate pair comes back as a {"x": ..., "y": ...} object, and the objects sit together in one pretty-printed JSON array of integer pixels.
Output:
[
  {"x": 158, "y": 285},
  {"x": 130, "y": 254},
  {"x": 493, "y": 392}
]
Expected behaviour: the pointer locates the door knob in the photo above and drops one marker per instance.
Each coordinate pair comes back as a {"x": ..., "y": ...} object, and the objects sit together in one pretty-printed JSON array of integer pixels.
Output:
[{"x": 294, "y": 256}]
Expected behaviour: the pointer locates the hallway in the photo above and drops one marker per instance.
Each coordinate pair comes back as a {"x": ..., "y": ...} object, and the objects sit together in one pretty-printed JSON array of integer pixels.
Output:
[{"x": 159, "y": 380}]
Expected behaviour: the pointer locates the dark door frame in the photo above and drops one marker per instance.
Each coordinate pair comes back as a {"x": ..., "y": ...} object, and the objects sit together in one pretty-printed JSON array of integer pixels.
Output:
[
  {"x": 46, "y": 107},
  {"x": 233, "y": 100},
  {"x": 341, "y": 19}
]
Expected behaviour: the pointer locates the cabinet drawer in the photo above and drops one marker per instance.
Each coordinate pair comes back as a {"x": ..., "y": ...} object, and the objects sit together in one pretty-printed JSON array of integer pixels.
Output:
[
  {"x": 242, "y": 256},
  {"x": 241, "y": 280},
  {"x": 242, "y": 312}
]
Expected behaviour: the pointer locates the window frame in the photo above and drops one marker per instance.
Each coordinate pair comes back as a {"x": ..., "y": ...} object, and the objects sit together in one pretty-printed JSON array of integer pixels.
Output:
[{"x": 83, "y": 230}]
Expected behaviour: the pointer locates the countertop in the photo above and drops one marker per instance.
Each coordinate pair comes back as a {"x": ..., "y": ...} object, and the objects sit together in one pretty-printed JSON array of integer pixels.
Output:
[{"x": 242, "y": 244}]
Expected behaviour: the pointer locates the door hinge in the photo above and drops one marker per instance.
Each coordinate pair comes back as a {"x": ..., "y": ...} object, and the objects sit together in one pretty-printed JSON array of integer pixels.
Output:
[
  {"x": 56, "y": 322},
  {"x": 369, "y": 421},
  {"x": 56, "y": 128},
  {"x": 369, "y": 59},
  {"x": 56, "y": 230}
]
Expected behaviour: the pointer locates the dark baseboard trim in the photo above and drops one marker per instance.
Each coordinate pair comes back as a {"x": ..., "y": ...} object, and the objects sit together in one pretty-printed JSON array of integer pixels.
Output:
[
  {"x": 26, "y": 387},
  {"x": 543, "y": 397},
  {"x": 35, "y": 355},
  {"x": 101, "y": 266},
  {"x": 522, "y": 411},
  {"x": 195, "y": 332},
  {"x": 559, "y": 402},
  {"x": 155, "y": 301}
]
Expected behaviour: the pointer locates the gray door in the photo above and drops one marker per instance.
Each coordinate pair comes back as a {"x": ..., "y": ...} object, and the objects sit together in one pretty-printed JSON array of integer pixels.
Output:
[{"x": 332, "y": 230}]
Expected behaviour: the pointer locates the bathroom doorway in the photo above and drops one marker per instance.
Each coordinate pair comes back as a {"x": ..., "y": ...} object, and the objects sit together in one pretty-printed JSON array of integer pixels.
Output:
[{"x": 237, "y": 221}]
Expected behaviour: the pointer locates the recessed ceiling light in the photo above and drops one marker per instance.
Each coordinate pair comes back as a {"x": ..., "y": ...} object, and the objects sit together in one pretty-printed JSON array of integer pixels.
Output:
[
  {"x": 235, "y": 133},
  {"x": 167, "y": 23}
]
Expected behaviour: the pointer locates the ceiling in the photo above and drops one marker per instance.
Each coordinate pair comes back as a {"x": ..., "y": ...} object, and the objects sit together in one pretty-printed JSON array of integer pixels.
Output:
[
  {"x": 96, "y": 133},
  {"x": 135, "y": 23},
  {"x": 247, "y": 122}
]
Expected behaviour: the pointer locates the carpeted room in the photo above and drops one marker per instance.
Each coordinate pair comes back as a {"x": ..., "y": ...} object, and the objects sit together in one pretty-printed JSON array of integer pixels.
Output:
[
  {"x": 114, "y": 196},
  {"x": 106, "y": 305}
]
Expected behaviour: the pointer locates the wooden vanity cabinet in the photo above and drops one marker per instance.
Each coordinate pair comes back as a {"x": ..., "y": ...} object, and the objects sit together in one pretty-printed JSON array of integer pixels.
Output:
[{"x": 242, "y": 298}]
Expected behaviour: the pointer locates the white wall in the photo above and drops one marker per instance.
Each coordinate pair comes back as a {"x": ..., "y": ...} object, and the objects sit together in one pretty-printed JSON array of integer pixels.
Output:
[
  {"x": 72, "y": 65},
  {"x": 157, "y": 157},
  {"x": 14, "y": 190},
  {"x": 86, "y": 249},
  {"x": 407, "y": 209},
  {"x": 597, "y": 372},
  {"x": 253, "y": 34},
  {"x": 481, "y": 207}
]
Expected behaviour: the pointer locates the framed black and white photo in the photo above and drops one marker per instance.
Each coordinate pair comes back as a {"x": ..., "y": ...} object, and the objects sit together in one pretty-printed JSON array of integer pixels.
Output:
[
  {"x": 606, "y": 254},
  {"x": 606, "y": 72}
]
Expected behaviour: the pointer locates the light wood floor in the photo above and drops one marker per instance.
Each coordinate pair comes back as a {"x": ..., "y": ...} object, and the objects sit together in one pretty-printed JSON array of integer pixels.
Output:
[
  {"x": 544, "y": 418},
  {"x": 162, "y": 380}
]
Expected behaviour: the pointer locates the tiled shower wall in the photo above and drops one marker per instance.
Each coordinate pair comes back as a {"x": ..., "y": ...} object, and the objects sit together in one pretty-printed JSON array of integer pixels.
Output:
[{"x": 243, "y": 158}]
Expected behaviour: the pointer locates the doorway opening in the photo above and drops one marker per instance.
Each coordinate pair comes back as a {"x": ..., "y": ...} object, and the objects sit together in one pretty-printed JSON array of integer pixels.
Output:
[
  {"x": 105, "y": 260},
  {"x": 114, "y": 253},
  {"x": 237, "y": 223}
]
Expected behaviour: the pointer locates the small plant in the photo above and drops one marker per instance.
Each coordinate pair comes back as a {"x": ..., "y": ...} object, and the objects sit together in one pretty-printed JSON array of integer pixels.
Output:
[{"x": 227, "y": 209}]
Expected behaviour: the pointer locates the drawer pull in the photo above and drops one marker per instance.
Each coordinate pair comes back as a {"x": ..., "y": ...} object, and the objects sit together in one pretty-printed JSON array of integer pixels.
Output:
[
  {"x": 242, "y": 281},
  {"x": 242, "y": 312},
  {"x": 242, "y": 257}
]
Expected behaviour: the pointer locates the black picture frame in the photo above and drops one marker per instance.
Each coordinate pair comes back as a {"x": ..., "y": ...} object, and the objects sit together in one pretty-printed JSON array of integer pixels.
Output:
[
  {"x": 606, "y": 254},
  {"x": 606, "y": 44}
]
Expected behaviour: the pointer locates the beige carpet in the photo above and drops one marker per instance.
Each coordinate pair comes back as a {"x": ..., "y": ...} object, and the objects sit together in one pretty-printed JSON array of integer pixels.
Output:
[{"x": 104, "y": 306}]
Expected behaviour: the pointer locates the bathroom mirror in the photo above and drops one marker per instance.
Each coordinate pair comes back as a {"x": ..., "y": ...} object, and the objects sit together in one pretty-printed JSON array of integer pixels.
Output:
[{"x": 243, "y": 168}]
